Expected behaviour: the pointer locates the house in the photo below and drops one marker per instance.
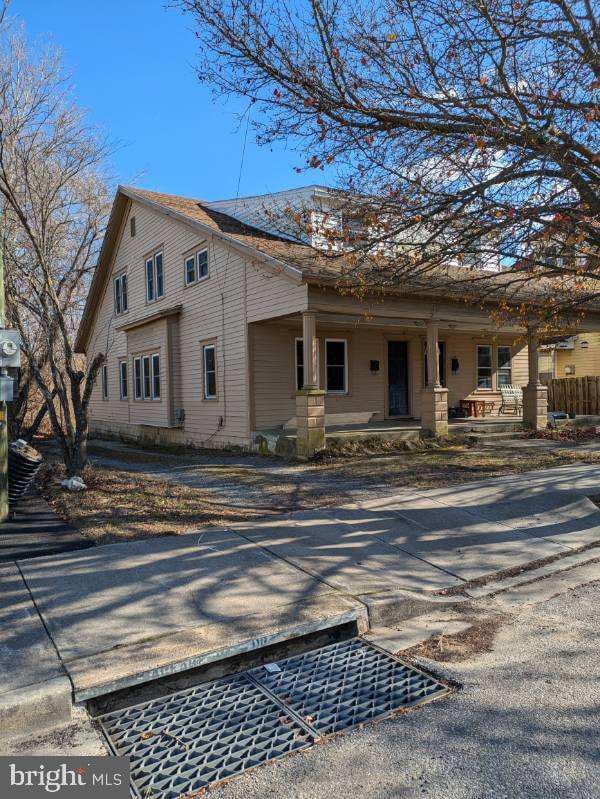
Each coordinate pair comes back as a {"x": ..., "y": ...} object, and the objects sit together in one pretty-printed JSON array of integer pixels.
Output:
[
  {"x": 573, "y": 356},
  {"x": 218, "y": 329}
]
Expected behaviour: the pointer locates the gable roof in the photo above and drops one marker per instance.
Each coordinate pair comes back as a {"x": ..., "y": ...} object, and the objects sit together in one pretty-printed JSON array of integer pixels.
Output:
[{"x": 297, "y": 261}]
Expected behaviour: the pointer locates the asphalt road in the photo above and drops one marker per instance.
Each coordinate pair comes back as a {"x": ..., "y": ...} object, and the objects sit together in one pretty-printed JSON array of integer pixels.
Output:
[{"x": 525, "y": 725}]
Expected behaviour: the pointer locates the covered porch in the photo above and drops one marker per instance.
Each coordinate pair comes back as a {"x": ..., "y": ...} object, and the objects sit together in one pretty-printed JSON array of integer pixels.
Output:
[{"x": 401, "y": 371}]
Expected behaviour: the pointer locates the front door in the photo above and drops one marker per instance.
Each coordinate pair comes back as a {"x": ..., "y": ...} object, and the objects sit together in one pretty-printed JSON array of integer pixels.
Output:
[{"x": 398, "y": 378}]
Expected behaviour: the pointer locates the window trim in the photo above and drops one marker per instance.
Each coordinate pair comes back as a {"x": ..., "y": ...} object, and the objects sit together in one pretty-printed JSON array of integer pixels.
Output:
[
  {"x": 118, "y": 294},
  {"x": 508, "y": 368},
  {"x": 123, "y": 380},
  {"x": 104, "y": 381},
  {"x": 153, "y": 360},
  {"x": 137, "y": 362},
  {"x": 491, "y": 367},
  {"x": 337, "y": 392},
  {"x": 195, "y": 255},
  {"x": 151, "y": 260},
  {"x": 296, "y": 365},
  {"x": 205, "y": 372}
]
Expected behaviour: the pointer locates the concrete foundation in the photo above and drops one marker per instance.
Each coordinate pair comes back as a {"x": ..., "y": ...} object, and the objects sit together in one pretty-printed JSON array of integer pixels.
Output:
[
  {"x": 434, "y": 411},
  {"x": 310, "y": 415},
  {"x": 535, "y": 407}
]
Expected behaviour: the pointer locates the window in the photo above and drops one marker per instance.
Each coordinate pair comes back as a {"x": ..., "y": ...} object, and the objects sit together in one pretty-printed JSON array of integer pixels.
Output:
[
  {"x": 104, "y": 382},
  {"x": 202, "y": 259},
  {"x": 336, "y": 366},
  {"x": 190, "y": 270},
  {"x": 146, "y": 377},
  {"x": 123, "y": 379},
  {"x": 484, "y": 366},
  {"x": 155, "y": 377},
  {"x": 300, "y": 362},
  {"x": 132, "y": 226},
  {"x": 504, "y": 375},
  {"x": 155, "y": 278},
  {"x": 137, "y": 378},
  {"x": 120, "y": 294},
  {"x": 196, "y": 267},
  {"x": 442, "y": 363},
  {"x": 210, "y": 372}
]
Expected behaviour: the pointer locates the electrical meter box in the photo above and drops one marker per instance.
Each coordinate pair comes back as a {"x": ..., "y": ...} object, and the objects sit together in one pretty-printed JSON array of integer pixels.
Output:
[
  {"x": 6, "y": 388},
  {"x": 10, "y": 349}
]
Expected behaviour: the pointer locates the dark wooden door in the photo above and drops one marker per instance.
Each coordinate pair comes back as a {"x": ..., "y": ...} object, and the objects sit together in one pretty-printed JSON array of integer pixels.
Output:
[{"x": 398, "y": 378}]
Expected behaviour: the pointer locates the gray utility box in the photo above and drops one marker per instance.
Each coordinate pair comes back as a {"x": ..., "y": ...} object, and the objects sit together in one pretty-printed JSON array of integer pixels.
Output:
[{"x": 10, "y": 349}]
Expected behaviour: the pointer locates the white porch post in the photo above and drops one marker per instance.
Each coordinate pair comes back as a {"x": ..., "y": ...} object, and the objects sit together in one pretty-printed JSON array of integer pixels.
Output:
[
  {"x": 310, "y": 400},
  {"x": 434, "y": 398},
  {"x": 535, "y": 395}
]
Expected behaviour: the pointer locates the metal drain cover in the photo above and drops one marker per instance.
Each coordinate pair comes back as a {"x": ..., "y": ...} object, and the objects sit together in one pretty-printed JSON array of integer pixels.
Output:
[
  {"x": 184, "y": 742},
  {"x": 347, "y": 683}
]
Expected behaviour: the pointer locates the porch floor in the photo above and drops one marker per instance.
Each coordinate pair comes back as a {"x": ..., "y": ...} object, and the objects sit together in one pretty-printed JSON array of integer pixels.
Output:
[{"x": 283, "y": 442}]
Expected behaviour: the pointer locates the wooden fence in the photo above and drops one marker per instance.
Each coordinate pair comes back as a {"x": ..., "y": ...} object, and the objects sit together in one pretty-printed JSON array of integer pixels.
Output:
[{"x": 580, "y": 395}]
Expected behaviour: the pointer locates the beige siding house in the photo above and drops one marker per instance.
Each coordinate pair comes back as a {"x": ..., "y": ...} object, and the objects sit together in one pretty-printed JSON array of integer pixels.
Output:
[{"x": 218, "y": 331}]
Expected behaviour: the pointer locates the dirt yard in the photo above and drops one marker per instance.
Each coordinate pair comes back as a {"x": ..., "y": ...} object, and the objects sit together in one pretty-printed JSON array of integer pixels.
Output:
[{"x": 134, "y": 493}]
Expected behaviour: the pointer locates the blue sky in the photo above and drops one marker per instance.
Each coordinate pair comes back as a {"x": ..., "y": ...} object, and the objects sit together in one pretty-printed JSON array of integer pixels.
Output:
[{"x": 132, "y": 65}]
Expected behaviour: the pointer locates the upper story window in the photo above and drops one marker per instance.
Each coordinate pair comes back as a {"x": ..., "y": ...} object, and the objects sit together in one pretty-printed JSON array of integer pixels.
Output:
[
  {"x": 104, "y": 382},
  {"x": 196, "y": 266},
  {"x": 155, "y": 277},
  {"x": 132, "y": 226},
  {"x": 121, "y": 300}
]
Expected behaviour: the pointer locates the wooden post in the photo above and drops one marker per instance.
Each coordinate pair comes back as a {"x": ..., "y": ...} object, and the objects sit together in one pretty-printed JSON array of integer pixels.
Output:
[{"x": 309, "y": 347}]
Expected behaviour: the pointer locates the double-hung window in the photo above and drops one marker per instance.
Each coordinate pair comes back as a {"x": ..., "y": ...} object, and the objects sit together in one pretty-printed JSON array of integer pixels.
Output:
[
  {"x": 484, "y": 366},
  {"x": 137, "y": 378},
  {"x": 121, "y": 300},
  {"x": 300, "y": 362},
  {"x": 336, "y": 366},
  {"x": 210, "y": 371},
  {"x": 155, "y": 277},
  {"x": 196, "y": 266},
  {"x": 105, "y": 382},
  {"x": 146, "y": 377},
  {"x": 504, "y": 373},
  {"x": 123, "y": 379}
]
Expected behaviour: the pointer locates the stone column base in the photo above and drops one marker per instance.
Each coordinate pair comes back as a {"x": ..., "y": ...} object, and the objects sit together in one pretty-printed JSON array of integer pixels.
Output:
[
  {"x": 434, "y": 411},
  {"x": 535, "y": 407},
  {"x": 310, "y": 416}
]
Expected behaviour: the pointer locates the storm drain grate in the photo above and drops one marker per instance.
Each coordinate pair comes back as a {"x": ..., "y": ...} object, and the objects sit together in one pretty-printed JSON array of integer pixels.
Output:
[
  {"x": 182, "y": 743},
  {"x": 189, "y": 740},
  {"x": 347, "y": 683}
]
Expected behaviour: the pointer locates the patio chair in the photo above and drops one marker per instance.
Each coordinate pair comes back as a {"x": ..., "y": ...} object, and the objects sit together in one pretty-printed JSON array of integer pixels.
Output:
[{"x": 512, "y": 400}]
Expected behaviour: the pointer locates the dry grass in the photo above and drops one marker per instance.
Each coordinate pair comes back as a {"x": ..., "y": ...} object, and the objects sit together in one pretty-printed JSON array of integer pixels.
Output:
[
  {"x": 461, "y": 646},
  {"x": 447, "y": 464},
  {"x": 119, "y": 505}
]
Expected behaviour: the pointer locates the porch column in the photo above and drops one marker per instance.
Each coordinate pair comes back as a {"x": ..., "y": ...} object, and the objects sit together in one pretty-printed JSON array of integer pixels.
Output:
[
  {"x": 535, "y": 395},
  {"x": 310, "y": 399},
  {"x": 434, "y": 397}
]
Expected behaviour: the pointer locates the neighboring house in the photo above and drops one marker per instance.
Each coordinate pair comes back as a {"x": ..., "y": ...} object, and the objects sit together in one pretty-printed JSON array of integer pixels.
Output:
[
  {"x": 575, "y": 356},
  {"x": 216, "y": 328}
]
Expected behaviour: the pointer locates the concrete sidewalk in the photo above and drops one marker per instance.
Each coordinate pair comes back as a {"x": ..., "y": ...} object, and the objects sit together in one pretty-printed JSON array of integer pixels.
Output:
[{"x": 122, "y": 614}]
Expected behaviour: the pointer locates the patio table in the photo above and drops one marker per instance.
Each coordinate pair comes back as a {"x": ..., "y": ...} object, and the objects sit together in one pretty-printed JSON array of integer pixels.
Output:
[{"x": 474, "y": 407}]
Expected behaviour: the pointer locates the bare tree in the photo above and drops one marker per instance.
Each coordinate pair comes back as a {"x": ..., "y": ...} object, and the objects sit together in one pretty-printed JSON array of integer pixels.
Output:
[
  {"x": 55, "y": 205},
  {"x": 464, "y": 131}
]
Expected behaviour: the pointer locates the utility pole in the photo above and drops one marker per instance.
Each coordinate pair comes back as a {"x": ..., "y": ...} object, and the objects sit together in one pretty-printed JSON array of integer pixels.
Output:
[{"x": 3, "y": 407}]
